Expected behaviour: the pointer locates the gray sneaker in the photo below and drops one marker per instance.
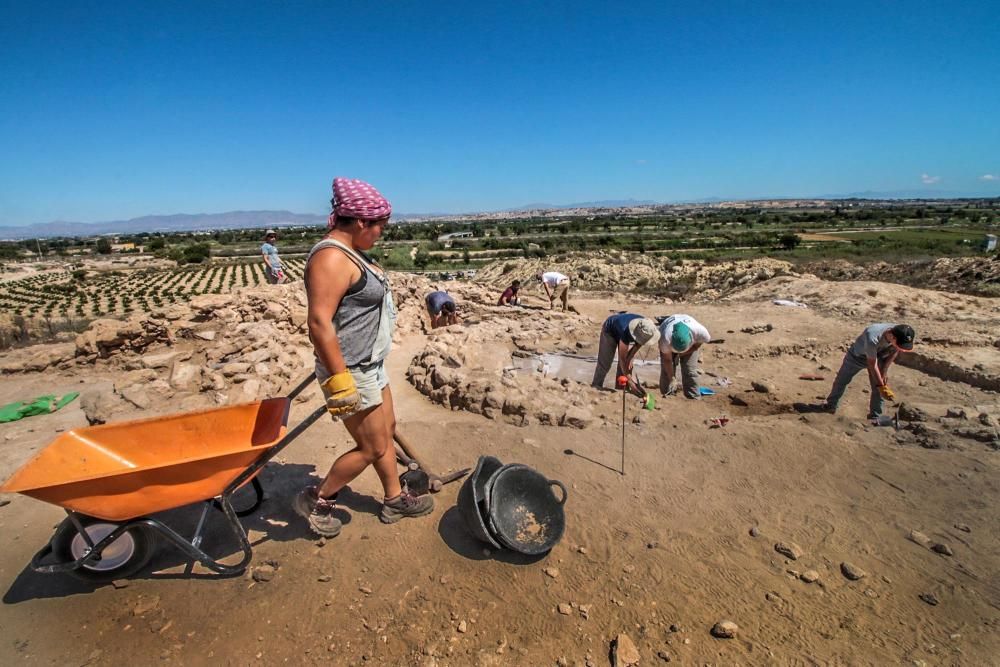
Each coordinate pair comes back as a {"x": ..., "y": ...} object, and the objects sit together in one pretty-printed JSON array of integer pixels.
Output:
[
  {"x": 317, "y": 511},
  {"x": 405, "y": 505}
]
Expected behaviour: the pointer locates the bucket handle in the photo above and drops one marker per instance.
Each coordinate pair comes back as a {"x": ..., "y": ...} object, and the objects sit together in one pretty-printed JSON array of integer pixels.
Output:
[{"x": 565, "y": 493}]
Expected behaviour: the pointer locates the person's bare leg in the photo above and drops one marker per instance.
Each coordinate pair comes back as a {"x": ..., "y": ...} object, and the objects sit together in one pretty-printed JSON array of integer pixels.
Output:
[
  {"x": 386, "y": 466},
  {"x": 368, "y": 430},
  {"x": 565, "y": 298}
]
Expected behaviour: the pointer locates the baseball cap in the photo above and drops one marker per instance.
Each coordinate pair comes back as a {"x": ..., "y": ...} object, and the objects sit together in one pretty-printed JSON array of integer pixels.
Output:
[
  {"x": 680, "y": 338},
  {"x": 904, "y": 336},
  {"x": 643, "y": 330}
]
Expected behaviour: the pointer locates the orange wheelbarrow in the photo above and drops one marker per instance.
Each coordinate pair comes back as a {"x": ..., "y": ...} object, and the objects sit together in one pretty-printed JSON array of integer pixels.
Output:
[{"x": 111, "y": 478}]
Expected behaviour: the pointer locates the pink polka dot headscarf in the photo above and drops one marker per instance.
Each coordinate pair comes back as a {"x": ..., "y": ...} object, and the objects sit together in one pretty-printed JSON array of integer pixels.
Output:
[{"x": 353, "y": 198}]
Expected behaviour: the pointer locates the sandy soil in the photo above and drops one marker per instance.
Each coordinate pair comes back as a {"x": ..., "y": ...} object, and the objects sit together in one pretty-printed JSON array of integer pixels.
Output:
[{"x": 661, "y": 553}]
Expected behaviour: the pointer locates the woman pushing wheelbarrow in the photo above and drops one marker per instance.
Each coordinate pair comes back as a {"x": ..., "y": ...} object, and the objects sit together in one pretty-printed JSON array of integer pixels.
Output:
[{"x": 351, "y": 316}]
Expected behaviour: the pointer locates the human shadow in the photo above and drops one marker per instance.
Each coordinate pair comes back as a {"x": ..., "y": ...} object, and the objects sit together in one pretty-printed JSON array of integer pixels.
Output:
[
  {"x": 274, "y": 521},
  {"x": 457, "y": 537}
]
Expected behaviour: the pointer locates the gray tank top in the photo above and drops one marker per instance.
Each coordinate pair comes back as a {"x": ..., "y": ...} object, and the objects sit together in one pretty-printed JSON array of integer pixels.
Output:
[{"x": 366, "y": 315}]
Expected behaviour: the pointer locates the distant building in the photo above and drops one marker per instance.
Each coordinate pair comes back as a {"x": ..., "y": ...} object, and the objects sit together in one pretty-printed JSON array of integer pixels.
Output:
[
  {"x": 122, "y": 247},
  {"x": 990, "y": 242}
]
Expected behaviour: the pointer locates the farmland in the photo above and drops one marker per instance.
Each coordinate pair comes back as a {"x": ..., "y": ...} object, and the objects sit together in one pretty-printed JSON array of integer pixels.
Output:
[
  {"x": 86, "y": 294},
  {"x": 80, "y": 279}
]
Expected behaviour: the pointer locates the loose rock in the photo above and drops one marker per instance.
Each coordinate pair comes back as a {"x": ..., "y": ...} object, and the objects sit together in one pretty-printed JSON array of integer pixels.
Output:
[
  {"x": 809, "y": 576},
  {"x": 911, "y": 413},
  {"x": 565, "y": 609},
  {"x": 929, "y": 598},
  {"x": 624, "y": 652},
  {"x": 724, "y": 630},
  {"x": 851, "y": 571},
  {"x": 789, "y": 550},
  {"x": 552, "y": 572},
  {"x": 942, "y": 549},
  {"x": 762, "y": 387}
]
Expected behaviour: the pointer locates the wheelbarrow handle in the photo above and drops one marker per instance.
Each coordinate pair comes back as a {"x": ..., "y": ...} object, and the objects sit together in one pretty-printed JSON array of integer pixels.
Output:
[{"x": 308, "y": 380}]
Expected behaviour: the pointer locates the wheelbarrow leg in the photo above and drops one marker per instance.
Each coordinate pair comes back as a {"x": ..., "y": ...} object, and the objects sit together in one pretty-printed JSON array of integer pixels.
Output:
[{"x": 436, "y": 481}]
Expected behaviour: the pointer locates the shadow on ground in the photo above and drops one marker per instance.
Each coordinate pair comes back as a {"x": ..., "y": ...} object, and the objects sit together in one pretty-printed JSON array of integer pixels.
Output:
[
  {"x": 274, "y": 520},
  {"x": 458, "y": 538}
]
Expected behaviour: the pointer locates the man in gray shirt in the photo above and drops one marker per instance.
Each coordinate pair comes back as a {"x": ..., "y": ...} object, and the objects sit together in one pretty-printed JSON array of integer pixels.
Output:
[{"x": 875, "y": 350}]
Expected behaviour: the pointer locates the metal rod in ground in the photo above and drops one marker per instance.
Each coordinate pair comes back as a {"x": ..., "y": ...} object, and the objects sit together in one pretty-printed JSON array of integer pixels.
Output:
[{"x": 623, "y": 432}]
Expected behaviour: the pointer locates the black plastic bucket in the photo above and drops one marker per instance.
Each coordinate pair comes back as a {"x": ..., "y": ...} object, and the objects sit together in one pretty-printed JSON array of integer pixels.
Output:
[
  {"x": 472, "y": 499},
  {"x": 523, "y": 513}
]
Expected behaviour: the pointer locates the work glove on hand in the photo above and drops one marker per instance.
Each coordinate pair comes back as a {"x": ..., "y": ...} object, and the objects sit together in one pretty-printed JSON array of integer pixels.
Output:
[
  {"x": 343, "y": 399},
  {"x": 887, "y": 393}
]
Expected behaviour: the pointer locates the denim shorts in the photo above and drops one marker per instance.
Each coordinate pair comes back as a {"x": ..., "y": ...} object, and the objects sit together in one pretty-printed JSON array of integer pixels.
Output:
[{"x": 370, "y": 381}]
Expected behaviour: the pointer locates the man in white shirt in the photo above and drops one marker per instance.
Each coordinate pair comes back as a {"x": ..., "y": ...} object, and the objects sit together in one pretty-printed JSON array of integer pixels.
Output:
[
  {"x": 556, "y": 286},
  {"x": 680, "y": 338}
]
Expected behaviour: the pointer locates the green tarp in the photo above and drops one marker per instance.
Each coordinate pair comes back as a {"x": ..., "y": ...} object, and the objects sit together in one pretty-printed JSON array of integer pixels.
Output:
[{"x": 39, "y": 406}]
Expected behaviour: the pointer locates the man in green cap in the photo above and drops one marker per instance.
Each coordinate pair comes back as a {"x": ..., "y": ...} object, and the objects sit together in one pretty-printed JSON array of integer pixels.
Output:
[{"x": 680, "y": 338}]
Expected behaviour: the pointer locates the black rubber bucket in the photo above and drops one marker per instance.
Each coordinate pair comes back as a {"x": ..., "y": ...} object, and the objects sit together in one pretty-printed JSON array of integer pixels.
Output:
[
  {"x": 523, "y": 512},
  {"x": 472, "y": 499}
]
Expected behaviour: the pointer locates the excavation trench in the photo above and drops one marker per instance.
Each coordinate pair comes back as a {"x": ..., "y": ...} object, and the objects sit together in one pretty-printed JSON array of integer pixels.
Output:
[{"x": 579, "y": 368}]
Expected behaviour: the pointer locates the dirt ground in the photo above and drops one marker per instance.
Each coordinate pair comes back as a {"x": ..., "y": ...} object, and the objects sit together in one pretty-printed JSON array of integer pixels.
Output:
[{"x": 684, "y": 539}]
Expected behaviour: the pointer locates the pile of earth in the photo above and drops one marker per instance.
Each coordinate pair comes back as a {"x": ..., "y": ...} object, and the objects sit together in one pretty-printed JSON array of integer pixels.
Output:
[
  {"x": 213, "y": 350},
  {"x": 965, "y": 275},
  {"x": 639, "y": 272}
]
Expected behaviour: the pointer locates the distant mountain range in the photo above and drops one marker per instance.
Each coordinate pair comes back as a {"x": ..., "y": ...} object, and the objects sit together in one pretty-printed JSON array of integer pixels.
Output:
[
  {"x": 608, "y": 203},
  {"x": 185, "y": 222},
  {"x": 178, "y": 222}
]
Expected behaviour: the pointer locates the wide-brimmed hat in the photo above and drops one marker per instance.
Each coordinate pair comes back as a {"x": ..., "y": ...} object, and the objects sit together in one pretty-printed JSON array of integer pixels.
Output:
[
  {"x": 270, "y": 232},
  {"x": 643, "y": 330}
]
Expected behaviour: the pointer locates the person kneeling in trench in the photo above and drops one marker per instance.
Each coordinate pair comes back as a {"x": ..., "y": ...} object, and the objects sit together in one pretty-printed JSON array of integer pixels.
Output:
[
  {"x": 624, "y": 333},
  {"x": 351, "y": 317},
  {"x": 680, "y": 338}
]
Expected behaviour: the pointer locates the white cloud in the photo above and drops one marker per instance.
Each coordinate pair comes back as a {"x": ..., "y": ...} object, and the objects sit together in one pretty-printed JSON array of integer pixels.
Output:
[
  {"x": 989, "y": 177},
  {"x": 927, "y": 179}
]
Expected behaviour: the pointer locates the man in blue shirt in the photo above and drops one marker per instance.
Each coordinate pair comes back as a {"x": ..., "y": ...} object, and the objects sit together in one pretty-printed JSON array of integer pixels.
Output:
[
  {"x": 273, "y": 270},
  {"x": 442, "y": 309},
  {"x": 623, "y": 333}
]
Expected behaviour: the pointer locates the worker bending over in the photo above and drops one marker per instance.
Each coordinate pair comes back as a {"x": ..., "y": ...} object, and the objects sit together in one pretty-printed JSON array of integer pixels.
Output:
[
  {"x": 556, "y": 286},
  {"x": 442, "y": 309},
  {"x": 680, "y": 338},
  {"x": 623, "y": 333},
  {"x": 875, "y": 350}
]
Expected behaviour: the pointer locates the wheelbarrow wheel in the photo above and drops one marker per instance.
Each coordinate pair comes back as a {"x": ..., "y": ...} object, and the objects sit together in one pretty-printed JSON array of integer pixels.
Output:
[{"x": 122, "y": 558}]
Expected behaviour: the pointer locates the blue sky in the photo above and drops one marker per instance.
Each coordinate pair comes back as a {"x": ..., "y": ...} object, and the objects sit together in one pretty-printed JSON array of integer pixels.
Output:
[{"x": 112, "y": 110}]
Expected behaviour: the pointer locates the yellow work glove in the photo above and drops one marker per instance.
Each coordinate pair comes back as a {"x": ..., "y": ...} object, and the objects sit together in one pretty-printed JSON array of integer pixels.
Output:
[
  {"x": 887, "y": 393},
  {"x": 342, "y": 399}
]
